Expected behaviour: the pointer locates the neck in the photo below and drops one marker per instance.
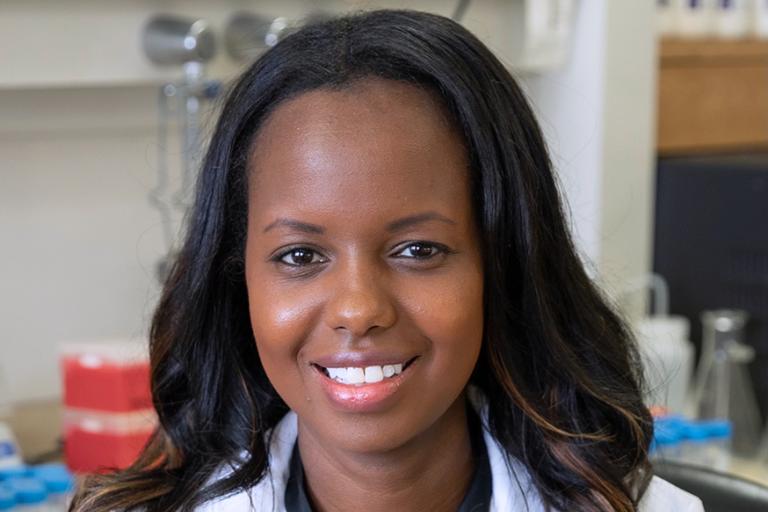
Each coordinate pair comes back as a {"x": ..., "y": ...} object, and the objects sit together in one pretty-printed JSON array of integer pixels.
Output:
[{"x": 431, "y": 472}]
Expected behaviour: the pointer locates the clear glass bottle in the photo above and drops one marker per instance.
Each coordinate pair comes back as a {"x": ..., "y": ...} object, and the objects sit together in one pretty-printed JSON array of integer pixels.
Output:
[
  {"x": 721, "y": 438},
  {"x": 724, "y": 389}
]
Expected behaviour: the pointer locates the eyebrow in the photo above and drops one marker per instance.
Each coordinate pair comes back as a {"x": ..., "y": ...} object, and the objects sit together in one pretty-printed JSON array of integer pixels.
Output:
[
  {"x": 305, "y": 227},
  {"x": 392, "y": 227},
  {"x": 419, "y": 218}
]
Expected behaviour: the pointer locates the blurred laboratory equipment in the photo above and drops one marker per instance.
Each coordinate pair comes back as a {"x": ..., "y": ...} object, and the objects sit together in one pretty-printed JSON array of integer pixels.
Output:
[
  {"x": 59, "y": 484},
  {"x": 694, "y": 17},
  {"x": 7, "y": 498},
  {"x": 171, "y": 40},
  {"x": 704, "y": 443},
  {"x": 707, "y": 443},
  {"x": 665, "y": 18},
  {"x": 107, "y": 404},
  {"x": 535, "y": 35},
  {"x": 667, "y": 438},
  {"x": 725, "y": 19},
  {"x": 187, "y": 44},
  {"x": 10, "y": 455},
  {"x": 247, "y": 35},
  {"x": 539, "y": 33},
  {"x": 759, "y": 23},
  {"x": 731, "y": 18},
  {"x": 730, "y": 194},
  {"x": 41, "y": 488},
  {"x": 30, "y": 494},
  {"x": 665, "y": 349},
  {"x": 723, "y": 387},
  {"x": 667, "y": 359}
]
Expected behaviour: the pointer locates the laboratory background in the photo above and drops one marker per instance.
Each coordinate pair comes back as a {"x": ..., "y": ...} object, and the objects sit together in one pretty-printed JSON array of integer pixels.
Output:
[{"x": 655, "y": 113}]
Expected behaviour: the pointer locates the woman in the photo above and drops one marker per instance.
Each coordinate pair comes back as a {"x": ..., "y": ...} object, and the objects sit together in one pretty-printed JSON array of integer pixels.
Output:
[{"x": 378, "y": 303}]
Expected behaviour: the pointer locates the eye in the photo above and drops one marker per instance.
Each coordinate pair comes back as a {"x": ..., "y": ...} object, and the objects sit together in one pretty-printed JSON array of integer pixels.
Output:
[
  {"x": 300, "y": 257},
  {"x": 421, "y": 250}
]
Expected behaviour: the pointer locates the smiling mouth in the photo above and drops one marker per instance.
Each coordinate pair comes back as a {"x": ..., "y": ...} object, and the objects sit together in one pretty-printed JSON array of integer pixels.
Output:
[{"x": 359, "y": 376}]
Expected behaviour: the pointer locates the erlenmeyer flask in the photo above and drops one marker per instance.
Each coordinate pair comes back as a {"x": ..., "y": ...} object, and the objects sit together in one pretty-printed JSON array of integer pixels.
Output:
[{"x": 723, "y": 385}]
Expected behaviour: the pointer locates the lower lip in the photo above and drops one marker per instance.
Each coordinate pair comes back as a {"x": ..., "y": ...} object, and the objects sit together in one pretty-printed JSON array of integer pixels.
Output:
[{"x": 364, "y": 397}]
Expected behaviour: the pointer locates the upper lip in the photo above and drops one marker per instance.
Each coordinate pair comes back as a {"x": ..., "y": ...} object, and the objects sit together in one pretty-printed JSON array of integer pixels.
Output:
[{"x": 361, "y": 359}]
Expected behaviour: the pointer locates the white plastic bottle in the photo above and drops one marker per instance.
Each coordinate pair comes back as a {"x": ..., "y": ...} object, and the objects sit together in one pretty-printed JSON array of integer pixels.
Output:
[
  {"x": 694, "y": 18},
  {"x": 9, "y": 448},
  {"x": 731, "y": 19},
  {"x": 760, "y": 19},
  {"x": 666, "y": 18},
  {"x": 667, "y": 357}
]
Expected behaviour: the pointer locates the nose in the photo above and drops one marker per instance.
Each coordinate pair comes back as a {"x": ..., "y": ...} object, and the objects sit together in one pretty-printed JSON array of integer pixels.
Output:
[{"x": 360, "y": 301}]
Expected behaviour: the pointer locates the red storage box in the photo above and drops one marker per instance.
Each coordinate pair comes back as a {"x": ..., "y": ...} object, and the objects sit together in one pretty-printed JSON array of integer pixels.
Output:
[
  {"x": 108, "y": 415},
  {"x": 96, "y": 442},
  {"x": 106, "y": 377}
]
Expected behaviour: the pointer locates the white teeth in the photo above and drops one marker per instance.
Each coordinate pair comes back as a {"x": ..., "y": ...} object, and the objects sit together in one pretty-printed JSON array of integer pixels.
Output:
[
  {"x": 367, "y": 375},
  {"x": 373, "y": 374},
  {"x": 338, "y": 373},
  {"x": 355, "y": 376}
]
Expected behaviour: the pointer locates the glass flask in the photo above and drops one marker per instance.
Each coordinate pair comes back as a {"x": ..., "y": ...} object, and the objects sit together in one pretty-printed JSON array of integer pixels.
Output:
[{"x": 724, "y": 387}]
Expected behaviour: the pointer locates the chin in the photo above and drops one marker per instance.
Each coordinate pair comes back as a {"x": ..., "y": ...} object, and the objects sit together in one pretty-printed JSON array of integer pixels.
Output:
[{"x": 380, "y": 433}]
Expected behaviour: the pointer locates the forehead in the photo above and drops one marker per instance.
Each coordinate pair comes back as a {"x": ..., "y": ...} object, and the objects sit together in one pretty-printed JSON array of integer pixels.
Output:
[{"x": 379, "y": 148}]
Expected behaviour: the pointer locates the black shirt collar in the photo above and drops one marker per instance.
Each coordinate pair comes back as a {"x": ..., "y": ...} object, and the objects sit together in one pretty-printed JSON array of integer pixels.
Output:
[{"x": 477, "y": 499}]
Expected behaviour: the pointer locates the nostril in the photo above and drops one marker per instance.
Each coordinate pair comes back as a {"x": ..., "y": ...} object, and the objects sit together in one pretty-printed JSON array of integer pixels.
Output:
[{"x": 360, "y": 311}]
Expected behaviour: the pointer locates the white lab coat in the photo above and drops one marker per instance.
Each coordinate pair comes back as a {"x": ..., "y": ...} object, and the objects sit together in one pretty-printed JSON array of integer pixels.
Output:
[{"x": 511, "y": 490}]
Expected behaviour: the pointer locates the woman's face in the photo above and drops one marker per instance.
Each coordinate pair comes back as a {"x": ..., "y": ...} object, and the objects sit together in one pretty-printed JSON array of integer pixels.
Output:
[{"x": 363, "y": 265}]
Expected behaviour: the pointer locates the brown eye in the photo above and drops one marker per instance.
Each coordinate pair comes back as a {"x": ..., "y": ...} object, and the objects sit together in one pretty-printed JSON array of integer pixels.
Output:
[
  {"x": 300, "y": 256},
  {"x": 419, "y": 251}
]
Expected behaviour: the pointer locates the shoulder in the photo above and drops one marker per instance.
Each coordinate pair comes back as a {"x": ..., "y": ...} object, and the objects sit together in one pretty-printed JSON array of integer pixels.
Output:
[
  {"x": 662, "y": 495},
  {"x": 267, "y": 494},
  {"x": 513, "y": 488}
]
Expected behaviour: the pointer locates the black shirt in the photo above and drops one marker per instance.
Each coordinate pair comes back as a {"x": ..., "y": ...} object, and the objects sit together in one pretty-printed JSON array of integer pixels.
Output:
[{"x": 477, "y": 499}]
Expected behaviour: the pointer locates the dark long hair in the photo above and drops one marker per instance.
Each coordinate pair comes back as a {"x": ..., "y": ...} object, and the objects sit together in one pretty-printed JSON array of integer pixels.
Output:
[{"x": 559, "y": 364}]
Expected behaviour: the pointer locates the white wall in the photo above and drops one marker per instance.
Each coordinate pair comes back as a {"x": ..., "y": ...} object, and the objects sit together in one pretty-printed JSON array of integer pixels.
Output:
[
  {"x": 78, "y": 150},
  {"x": 598, "y": 113},
  {"x": 79, "y": 240},
  {"x": 569, "y": 103},
  {"x": 629, "y": 147}
]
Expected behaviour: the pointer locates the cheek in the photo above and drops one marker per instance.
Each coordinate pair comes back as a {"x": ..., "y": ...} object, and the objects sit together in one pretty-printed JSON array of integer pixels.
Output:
[
  {"x": 450, "y": 315},
  {"x": 280, "y": 320}
]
